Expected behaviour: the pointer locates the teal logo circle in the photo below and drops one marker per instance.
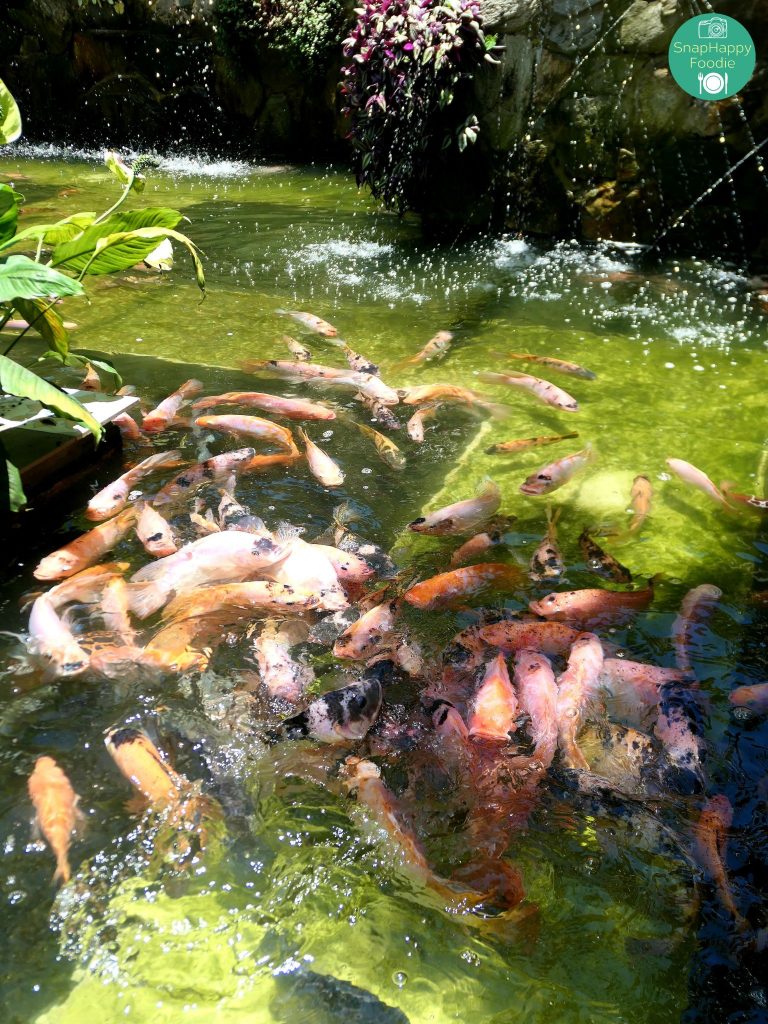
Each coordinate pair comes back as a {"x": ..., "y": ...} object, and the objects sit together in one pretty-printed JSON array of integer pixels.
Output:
[{"x": 712, "y": 56}]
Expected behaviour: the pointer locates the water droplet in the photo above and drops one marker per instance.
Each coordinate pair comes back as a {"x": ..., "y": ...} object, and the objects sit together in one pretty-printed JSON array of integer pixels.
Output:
[{"x": 399, "y": 978}]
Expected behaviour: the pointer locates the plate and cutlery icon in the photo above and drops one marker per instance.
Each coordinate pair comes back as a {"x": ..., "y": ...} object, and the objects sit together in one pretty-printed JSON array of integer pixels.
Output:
[{"x": 712, "y": 82}]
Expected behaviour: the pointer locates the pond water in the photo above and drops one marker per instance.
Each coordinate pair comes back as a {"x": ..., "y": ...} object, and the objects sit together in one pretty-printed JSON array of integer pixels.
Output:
[{"x": 299, "y": 897}]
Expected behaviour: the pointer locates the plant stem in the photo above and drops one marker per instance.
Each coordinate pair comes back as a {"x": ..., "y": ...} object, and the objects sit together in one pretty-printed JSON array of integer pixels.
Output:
[
  {"x": 120, "y": 201},
  {"x": 30, "y": 325}
]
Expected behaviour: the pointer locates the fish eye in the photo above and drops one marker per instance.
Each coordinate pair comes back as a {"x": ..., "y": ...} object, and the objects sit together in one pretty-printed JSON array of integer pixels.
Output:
[{"x": 543, "y": 476}]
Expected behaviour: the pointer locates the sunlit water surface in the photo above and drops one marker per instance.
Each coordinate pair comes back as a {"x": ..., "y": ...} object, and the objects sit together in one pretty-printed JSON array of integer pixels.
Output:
[{"x": 298, "y": 892}]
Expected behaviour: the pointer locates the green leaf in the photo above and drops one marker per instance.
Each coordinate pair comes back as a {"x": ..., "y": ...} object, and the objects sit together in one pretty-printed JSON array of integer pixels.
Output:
[
  {"x": 10, "y": 118},
  {"x": 17, "y": 499},
  {"x": 10, "y": 200},
  {"x": 17, "y": 380},
  {"x": 118, "y": 243},
  {"x": 22, "y": 278},
  {"x": 104, "y": 369},
  {"x": 79, "y": 252},
  {"x": 44, "y": 319},
  {"x": 118, "y": 167},
  {"x": 53, "y": 234}
]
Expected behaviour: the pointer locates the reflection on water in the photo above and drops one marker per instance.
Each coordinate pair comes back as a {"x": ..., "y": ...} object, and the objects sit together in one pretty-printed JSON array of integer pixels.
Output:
[{"x": 300, "y": 907}]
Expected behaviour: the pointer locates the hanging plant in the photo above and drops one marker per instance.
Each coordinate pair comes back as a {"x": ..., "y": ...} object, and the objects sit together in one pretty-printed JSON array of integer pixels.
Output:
[{"x": 406, "y": 62}]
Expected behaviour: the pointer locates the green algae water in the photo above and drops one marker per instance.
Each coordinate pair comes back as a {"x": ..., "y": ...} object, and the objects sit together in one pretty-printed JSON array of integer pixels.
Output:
[{"x": 300, "y": 910}]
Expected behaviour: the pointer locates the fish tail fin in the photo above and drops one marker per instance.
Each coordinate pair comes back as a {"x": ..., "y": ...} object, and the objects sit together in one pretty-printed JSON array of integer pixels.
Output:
[
  {"x": 567, "y": 437},
  {"x": 286, "y": 532},
  {"x": 146, "y": 597},
  {"x": 490, "y": 377},
  {"x": 496, "y": 410},
  {"x": 191, "y": 387},
  {"x": 553, "y": 516},
  {"x": 63, "y": 873},
  {"x": 166, "y": 460},
  {"x": 302, "y": 434}
]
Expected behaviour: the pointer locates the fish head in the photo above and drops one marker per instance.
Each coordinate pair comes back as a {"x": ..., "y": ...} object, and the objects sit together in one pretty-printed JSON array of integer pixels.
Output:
[
  {"x": 347, "y": 713},
  {"x": 537, "y": 483},
  {"x": 69, "y": 661},
  {"x": 549, "y": 606},
  {"x": 57, "y": 565}
]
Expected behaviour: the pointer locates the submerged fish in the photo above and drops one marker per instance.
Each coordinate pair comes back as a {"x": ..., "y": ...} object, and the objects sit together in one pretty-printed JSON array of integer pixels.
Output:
[
  {"x": 367, "y": 383},
  {"x": 754, "y": 697},
  {"x": 640, "y": 498},
  {"x": 250, "y": 427},
  {"x": 356, "y": 362},
  {"x": 749, "y": 500},
  {"x": 535, "y": 682},
  {"x": 679, "y": 729},
  {"x": 577, "y": 687},
  {"x": 427, "y": 394},
  {"x": 494, "y": 707},
  {"x": 280, "y": 673},
  {"x": 322, "y": 466},
  {"x": 696, "y": 478},
  {"x": 361, "y": 639},
  {"x": 547, "y": 560},
  {"x": 436, "y": 348},
  {"x": 572, "y": 369},
  {"x": 600, "y": 562},
  {"x": 128, "y": 427},
  {"x": 415, "y": 425},
  {"x": 590, "y": 607},
  {"x": 160, "y": 418},
  {"x": 56, "y": 811},
  {"x": 143, "y": 766},
  {"x": 86, "y": 549},
  {"x": 233, "y": 601},
  {"x": 217, "y": 469},
  {"x": 544, "y": 390},
  {"x": 710, "y": 836},
  {"x": 310, "y": 321},
  {"x": 290, "y": 408},
  {"x": 381, "y": 413},
  {"x": 297, "y": 350},
  {"x": 339, "y": 715},
  {"x": 696, "y": 608},
  {"x": 556, "y": 474},
  {"x": 459, "y": 584},
  {"x": 494, "y": 533},
  {"x": 523, "y": 444},
  {"x": 462, "y": 516},
  {"x": 634, "y": 688},
  {"x": 112, "y": 498},
  {"x": 386, "y": 449},
  {"x": 155, "y": 533}
]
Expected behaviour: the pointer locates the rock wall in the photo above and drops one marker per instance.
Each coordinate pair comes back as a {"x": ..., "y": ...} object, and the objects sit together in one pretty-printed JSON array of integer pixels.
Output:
[{"x": 583, "y": 131}]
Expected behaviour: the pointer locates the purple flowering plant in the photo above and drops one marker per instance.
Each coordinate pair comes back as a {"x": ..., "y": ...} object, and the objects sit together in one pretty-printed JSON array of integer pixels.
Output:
[{"x": 406, "y": 61}]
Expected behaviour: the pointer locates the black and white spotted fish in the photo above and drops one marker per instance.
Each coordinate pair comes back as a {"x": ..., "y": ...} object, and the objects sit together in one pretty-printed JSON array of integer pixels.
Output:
[{"x": 344, "y": 714}]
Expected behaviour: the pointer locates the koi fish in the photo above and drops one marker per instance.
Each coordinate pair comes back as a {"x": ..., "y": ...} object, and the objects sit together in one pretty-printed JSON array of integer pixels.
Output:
[
  {"x": 156, "y": 421},
  {"x": 535, "y": 682},
  {"x": 750, "y": 500},
  {"x": 217, "y": 469},
  {"x": 86, "y": 549},
  {"x": 415, "y": 425},
  {"x": 640, "y": 498},
  {"x": 590, "y": 607},
  {"x": 322, "y": 466},
  {"x": 297, "y": 350},
  {"x": 239, "y": 600},
  {"x": 234, "y": 516},
  {"x": 562, "y": 365},
  {"x": 290, "y": 408},
  {"x": 696, "y": 478},
  {"x": 356, "y": 362},
  {"x": 494, "y": 707},
  {"x": 84, "y": 587},
  {"x": 462, "y": 516},
  {"x": 128, "y": 427},
  {"x": 386, "y": 449},
  {"x": 600, "y": 562},
  {"x": 114, "y": 610},
  {"x": 697, "y": 606},
  {"x": 495, "y": 530},
  {"x": 112, "y": 498},
  {"x": 547, "y": 561},
  {"x": 310, "y": 321},
  {"x": 250, "y": 427},
  {"x": 155, "y": 533},
  {"x": 556, "y": 474},
  {"x": 143, "y": 766},
  {"x": 339, "y": 715},
  {"x": 436, "y": 348},
  {"x": 280, "y": 673},
  {"x": 380, "y": 413},
  {"x": 427, "y": 394},
  {"x": 551, "y": 638},
  {"x": 544, "y": 390},
  {"x": 710, "y": 836},
  {"x": 754, "y": 697},
  {"x": 458, "y": 584},
  {"x": 634, "y": 688},
  {"x": 56, "y": 811},
  {"x": 523, "y": 444},
  {"x": 315, "y": 373},
  {"x": 309, "y": 572},
  {"x": 577, "y": 687},
  {"x": 225, "y": 557},
  {"x": 52, "y": 639},
  {"x": 679, "y": 729},
  {"x": 361, "y": 639},
  {"x": 349, "y": 567}
]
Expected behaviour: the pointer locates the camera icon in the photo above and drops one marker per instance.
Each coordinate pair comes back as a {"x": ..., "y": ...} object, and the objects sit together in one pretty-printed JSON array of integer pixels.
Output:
[{"x": 713, "y": 28}]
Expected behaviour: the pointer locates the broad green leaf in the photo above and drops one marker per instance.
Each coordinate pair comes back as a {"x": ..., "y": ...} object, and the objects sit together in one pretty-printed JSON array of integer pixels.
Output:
[
  {"x": 118, "y": 167},
  {"x": 10, "y": 200},
  {"x": 127, "y": 241},
  {"x": 17, "y": 499},
  {"x": 53, "y": 234},
  {"x": 77, "y": 253},
  {"x": 17, "y": 380},
  {"x": 103, "y": 368},
  {"x": 44, "y": 319},
  {"x": 22, "y": 278},
  {"x": 10, "y": 118}
]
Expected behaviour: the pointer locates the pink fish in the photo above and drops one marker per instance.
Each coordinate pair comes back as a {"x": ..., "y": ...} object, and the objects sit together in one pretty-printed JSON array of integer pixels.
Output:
[
  {"x": 577, "y": 688},
  {"x": 537, "y": 689}
]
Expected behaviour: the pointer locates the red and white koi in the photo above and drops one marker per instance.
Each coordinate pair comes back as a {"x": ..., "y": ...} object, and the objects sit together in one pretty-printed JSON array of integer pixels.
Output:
[
  {"x": 462, "y": 516},
  {"x": 114, "y": 497}
]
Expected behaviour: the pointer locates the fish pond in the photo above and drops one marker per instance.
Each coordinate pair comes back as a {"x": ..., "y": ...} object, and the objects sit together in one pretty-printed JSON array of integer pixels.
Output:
[{"x": 302, "y": 906}]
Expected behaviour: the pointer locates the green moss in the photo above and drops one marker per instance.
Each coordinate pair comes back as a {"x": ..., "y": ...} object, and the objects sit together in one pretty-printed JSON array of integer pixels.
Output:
[{"x": 305, "y": 31}]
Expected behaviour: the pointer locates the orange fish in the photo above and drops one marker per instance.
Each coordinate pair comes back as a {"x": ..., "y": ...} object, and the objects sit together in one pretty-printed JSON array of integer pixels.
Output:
[
  {"x": 56, "y": 811},
  {"x": 494, "y": 708},
  {"x": 577, "y": 687},
  {"x": 250, "y": 427},
  {"x": 591, "y": 607},
  {"x": 459, "y": 584},
  {"x": 141, "y": 763},
  {"x": 436, "y": 348},
  {"x": 697, "y": 606},
  {"x": 240, "y": 600},
  {"x": 87, "y": 549},
  {"x": 544, "y": 390},
  {"x": 290, "y": 408},
  {"x": 524, "y": 443},
  {"x": 537, "y": 688},
  {"x": 493, "y": 534},
  {"x": 415, "y": 425},
  {"x": 562, "y": 365},
  {"x": 310, "y": 321},
  {"x": 322, "y": 465},
  {"x": 215, "y": 470},
  {"x": 156, "y": 421},
  {"x": 754, "y": 697},
  {"x": 426, "y": 394},
  {"x": 461, "y": 516},
  {"x": 363, "y": 637},
  {"x": 640, "y": 498},
  {"x": 710, "y": 837},
  {"x": 112, "y": 498}
]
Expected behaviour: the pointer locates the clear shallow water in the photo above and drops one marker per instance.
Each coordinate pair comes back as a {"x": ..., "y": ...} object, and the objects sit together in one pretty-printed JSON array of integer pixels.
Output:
[{"x": 299, "y": 883}]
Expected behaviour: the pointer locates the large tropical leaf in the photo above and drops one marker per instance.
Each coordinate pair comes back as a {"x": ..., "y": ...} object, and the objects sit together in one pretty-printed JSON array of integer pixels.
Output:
[
  {"x": 44, "y": 319},
  {"x": 22, "y": 278},
  {"x": 125, "y": 241},
  {"x": 53, "y": 234},
  {"x": 78, "y": 253},
  {"x": 10, "y": 200},
  {"x": 17, "y": 499},
  {"x": 10, "y": 118},
  {"x": 17, "y": 380},
  {"x": 106, "y": 371}
]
